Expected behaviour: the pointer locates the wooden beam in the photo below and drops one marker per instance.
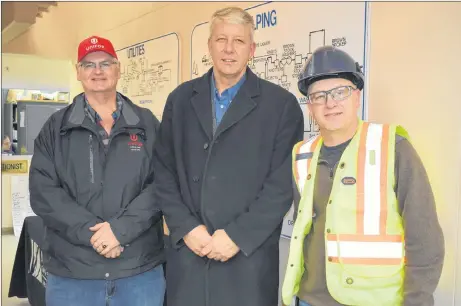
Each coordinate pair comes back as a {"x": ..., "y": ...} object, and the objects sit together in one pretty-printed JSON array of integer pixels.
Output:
[{"x": 45, "y": 4}]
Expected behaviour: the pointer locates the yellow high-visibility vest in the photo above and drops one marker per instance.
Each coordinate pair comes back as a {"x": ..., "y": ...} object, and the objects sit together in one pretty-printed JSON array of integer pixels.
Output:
[{"x": 364, "y": 236}]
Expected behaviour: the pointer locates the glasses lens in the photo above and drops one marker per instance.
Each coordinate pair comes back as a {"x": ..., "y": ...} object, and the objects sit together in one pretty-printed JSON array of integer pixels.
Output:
[
  {"x": 341, "y": 93},
  {"x": 317, "y": 98},
  {"x": 88, "y": 65}
]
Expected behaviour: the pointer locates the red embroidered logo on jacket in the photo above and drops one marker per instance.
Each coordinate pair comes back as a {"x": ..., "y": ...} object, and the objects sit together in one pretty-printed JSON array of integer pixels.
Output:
[{"x": 134, "y": 144}]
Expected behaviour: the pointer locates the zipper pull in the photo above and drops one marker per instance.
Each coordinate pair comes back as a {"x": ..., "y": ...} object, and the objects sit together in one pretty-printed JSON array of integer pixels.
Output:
[{"x": 143, "y": 136}]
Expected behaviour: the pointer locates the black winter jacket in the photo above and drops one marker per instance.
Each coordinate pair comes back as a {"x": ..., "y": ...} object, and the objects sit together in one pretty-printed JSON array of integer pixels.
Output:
[{"x": 75, "y": 184}]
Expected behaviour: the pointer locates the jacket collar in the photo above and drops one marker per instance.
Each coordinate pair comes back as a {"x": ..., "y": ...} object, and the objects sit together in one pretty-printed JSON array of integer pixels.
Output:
[{"x": 77, "y": 115}]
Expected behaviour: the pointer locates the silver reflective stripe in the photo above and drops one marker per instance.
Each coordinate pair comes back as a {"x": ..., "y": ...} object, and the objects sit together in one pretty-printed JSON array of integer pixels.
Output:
[
  {"x": 306, "y": 152},
  {"x": 372, "y": 208}
]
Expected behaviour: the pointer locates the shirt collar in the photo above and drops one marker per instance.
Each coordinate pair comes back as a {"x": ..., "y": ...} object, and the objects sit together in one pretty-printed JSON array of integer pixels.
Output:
[
  {"x": 94, "y": 116},
  {"x": 232, "y": 91}
]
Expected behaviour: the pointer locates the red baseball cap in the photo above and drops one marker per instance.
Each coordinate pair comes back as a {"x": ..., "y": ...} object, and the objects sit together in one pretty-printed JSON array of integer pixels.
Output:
[{"x": 94, "y": 44}]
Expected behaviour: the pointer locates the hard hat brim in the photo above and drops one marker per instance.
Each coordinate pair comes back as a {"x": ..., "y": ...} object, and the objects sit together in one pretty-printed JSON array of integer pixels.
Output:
[{"x": 355, "y": 77}]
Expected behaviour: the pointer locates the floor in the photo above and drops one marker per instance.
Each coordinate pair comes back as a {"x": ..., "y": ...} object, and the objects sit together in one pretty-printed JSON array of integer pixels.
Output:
[{"x": 9, "y": 245}]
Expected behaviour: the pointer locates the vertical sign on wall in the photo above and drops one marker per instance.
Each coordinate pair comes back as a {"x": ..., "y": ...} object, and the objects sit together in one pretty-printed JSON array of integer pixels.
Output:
[
  {"x": 150, "y": 71},
  {"x": 286, "y": 34}
]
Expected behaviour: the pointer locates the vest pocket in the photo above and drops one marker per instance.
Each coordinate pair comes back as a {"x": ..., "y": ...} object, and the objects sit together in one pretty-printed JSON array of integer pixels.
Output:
[
  {"x": 369, "y": 277},
  {"x": 366, "y": 285}
]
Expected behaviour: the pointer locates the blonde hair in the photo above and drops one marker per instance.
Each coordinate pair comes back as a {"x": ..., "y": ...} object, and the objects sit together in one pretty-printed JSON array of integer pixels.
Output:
[{"x": 234, "y": 15}]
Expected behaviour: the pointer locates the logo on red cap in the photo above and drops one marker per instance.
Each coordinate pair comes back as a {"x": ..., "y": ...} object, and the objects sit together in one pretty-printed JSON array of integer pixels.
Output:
[{"x": 94, "y": 44}]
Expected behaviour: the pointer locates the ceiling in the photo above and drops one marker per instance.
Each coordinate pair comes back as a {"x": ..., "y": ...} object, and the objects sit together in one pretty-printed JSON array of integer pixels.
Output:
[{"x": 18, "y": 16}]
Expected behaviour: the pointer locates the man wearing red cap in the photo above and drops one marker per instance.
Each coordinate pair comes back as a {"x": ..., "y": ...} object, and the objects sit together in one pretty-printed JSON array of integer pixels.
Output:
[{"x": 91, "y": 182}]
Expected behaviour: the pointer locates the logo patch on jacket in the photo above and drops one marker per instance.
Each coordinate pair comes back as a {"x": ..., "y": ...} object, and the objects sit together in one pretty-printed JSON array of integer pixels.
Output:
[
  {"x": 348, "y": 180},
  {"x": 134, "y": 143}
]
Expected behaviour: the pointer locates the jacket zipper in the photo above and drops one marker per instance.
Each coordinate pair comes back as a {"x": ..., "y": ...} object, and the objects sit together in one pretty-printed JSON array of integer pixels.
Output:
[{"x": 90, "y": 142}]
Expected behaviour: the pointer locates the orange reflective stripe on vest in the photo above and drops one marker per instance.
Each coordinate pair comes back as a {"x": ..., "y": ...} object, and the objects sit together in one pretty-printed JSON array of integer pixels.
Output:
[{"x": 302, "y": 163}]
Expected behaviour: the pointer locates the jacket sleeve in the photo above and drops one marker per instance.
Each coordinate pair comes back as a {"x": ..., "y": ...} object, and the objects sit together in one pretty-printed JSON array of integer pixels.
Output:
[
  {"x": 49, "y": 200},
  {"x": 178, "y": 217},
  {"x": 142, "y": 212},
  {"x": 424, "y": 243},
  {"x": 265, "y": 214}
]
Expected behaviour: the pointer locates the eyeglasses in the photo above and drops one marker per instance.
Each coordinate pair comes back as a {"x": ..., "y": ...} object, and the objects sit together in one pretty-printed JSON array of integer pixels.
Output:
[
  {"x": 105, "y": 65},
  {"x": 337, "y": 94}
]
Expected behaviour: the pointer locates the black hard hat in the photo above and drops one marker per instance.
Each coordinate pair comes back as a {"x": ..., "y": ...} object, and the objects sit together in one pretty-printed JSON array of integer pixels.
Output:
[{"x": 330, "y": 62}]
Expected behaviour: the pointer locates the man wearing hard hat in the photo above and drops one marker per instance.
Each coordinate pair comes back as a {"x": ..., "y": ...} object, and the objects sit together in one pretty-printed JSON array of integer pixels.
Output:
[{"x": 366, "y": 230}]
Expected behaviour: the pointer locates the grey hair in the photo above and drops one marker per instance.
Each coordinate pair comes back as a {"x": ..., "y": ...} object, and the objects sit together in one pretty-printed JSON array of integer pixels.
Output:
[{"x": 234, "y": 15}]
